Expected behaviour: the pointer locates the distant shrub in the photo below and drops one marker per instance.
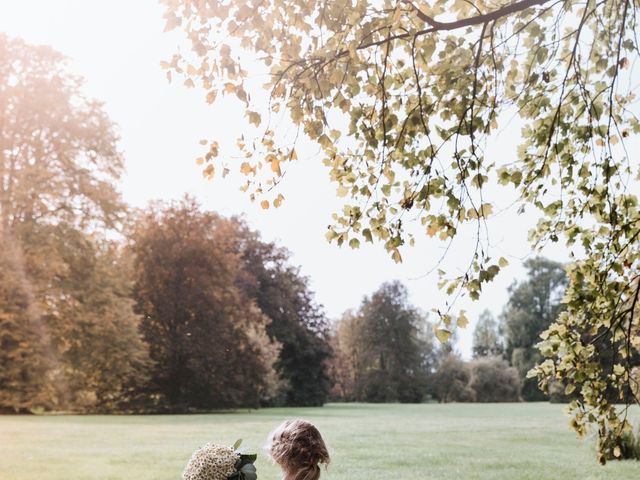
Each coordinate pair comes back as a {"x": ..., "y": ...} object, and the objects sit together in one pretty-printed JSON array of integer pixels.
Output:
[
  {"x": 450, "y": 383},
  {"x": 493, "y": 380}
]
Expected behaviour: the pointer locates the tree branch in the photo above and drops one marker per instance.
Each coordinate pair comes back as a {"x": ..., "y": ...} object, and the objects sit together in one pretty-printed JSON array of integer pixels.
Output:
[{"x": 477, "y": 20}]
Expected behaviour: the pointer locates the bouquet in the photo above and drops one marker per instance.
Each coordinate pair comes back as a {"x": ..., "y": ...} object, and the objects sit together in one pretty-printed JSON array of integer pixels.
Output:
[{"x": 219, "y": 462}]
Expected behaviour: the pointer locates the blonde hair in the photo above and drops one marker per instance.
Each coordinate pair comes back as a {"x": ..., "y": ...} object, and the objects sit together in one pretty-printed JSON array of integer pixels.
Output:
[{"x": 299, "y": 449}]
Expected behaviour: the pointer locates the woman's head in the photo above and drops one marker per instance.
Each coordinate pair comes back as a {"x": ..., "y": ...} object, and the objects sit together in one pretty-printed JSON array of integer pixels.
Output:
[{"x": 298, "y": 448}]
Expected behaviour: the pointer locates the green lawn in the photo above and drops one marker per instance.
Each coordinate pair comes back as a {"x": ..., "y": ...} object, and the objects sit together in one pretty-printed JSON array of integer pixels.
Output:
[{"x": 368, "y": 442}]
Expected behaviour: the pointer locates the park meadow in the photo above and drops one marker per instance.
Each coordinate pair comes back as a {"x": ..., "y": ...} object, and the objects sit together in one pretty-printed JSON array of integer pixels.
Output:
[{"x": 526, "y": 441}]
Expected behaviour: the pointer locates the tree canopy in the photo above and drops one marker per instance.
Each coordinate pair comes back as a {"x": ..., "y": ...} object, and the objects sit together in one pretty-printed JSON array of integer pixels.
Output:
[
  {"x": 68, "y": 335},
  {"x": 487, "y": 337},
  {"x": 207, "y": 338},
  {"x": 401, "y": 97},
  {"x": 533, "y": 305},
  {"x": 382, "y": 353},
  {"x": 296, "y": 322}
]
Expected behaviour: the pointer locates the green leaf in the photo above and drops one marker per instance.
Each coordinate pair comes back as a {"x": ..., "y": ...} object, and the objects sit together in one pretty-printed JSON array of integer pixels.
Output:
[
  {"x": 248, "y": 472},
  {"x": 237, "y": 444}
]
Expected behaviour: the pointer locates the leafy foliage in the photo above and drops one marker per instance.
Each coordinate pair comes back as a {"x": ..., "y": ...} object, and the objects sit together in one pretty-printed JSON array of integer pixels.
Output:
[
  {"x": 451, "y": 380},
  {"x": 382, "y": 354},
  {"x": 493, "y": 380},
  {"x": 297, "y": 323},
  {"x": 487, "y": 337},
  {"x": 22, "y": 349},
  {"x": 67, "y": 329},
  {"x": 100, "y": 359},
  {"x": 401, "y": 96},
  {"x": 533, "y": 305},
  {"x": 207, "y": 338}
]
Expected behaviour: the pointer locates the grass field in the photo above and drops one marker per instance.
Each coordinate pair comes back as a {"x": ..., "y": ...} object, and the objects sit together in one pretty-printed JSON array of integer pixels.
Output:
[{"x": 368, "y": 442}]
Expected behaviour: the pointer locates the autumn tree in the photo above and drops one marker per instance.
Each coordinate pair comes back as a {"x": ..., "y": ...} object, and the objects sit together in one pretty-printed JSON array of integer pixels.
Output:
[
  {"x": 207, "y": 338},
  {"x": 487, "y": 337},
  {"x": 101, "y": 361},
  {"x": 23, "y": 359},
  {"x": 63, "y": 308},
  {"x": 58, "y": 149},
  {"x": 401, "y": 97},
  {"x": 533, "y": 305},
  {"x": 296, "y": 322},
  {"x": 346, "y": 364}
]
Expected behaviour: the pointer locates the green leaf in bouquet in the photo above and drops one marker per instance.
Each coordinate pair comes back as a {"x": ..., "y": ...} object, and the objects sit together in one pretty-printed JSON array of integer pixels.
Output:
[
  {"x": 245, "y": 459},
  {"x": 236, "y": 445},
  {"x": 248, "y": 472}
]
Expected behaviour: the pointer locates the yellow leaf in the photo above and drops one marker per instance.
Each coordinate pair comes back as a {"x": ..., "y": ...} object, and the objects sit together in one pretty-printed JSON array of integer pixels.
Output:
[
  {"x": 275, "y": 166},
  {"x": 211, "y": 96},
  {"x": 246, "y": 168},
  {"x": 199, "y": 161},
  {"x": 503, "y": 262},
  {"x": 443, "y": 335},
  {"x": 278, "y": 201},
  {"x": 396, "y": 256},
  {"x": 463, "y": 321},
  {"x": 229, "y": 88},
  {"x": 293, "y": 156},
  {"x": 254, "y": 118},
  {"x": 264, "y": 204},
  {"x": 208, "y": 172},
  {"x": 342, "y": 191},
  {"x": 486, "y": 209}
]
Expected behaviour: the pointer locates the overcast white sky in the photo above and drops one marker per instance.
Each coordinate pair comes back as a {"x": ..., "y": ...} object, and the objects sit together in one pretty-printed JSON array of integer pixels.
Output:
[{"x": 118, "y": 45}]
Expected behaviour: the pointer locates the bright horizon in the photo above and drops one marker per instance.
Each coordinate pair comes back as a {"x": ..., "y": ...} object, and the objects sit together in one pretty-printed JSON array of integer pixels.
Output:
[{"x": 117, "y": 47}]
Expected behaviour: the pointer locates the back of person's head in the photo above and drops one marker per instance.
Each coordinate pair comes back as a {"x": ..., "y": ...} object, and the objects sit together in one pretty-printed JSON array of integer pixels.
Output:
[{"x": 299, "y": 449}]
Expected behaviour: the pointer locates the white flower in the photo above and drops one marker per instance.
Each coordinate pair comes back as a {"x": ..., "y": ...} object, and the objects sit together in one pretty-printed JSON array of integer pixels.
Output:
[{"x": 211, "y": 462}]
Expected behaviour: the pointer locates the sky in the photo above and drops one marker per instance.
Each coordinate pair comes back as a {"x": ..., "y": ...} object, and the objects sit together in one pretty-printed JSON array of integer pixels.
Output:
[{"x": 117, "y": 47}]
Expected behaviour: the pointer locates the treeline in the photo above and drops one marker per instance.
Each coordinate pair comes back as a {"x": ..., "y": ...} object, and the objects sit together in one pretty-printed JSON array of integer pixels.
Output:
[
  {"x": 191, "y": 311},
  {"x": 385, "y": 352},
  {"x": 173, "y": 308},
  {"x": 106, "y": 308}
]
